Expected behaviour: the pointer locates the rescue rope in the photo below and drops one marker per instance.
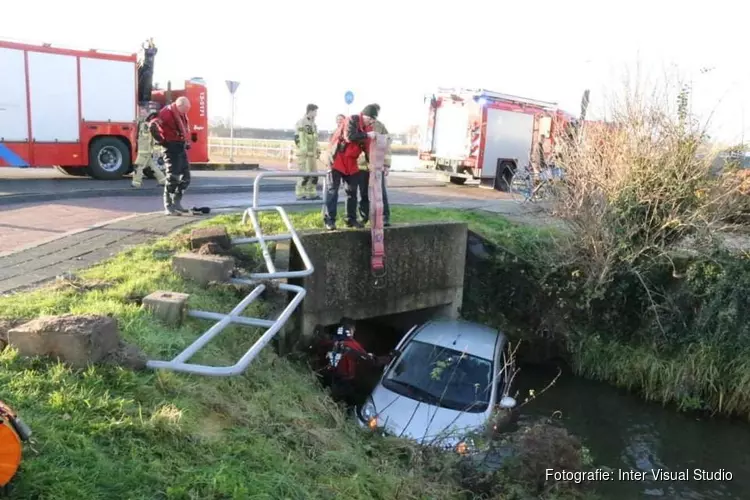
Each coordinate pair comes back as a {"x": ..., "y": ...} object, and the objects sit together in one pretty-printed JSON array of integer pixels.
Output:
[{"x": 378, "y": 148}]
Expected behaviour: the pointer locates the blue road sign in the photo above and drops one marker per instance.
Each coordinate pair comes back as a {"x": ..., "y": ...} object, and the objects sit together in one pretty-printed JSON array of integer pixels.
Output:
[
  {"x": 232, "y": 86},
  {"x": 349, "y": 97}
]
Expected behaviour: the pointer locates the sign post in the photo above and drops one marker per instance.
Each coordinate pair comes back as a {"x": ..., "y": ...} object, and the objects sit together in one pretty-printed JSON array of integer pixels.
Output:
[
  {"x": 349, "y": 99},
  {"x": 232, "y": 86}
]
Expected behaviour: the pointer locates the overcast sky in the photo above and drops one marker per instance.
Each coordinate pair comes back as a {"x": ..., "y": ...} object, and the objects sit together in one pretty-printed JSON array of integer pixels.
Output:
[{"x": 286, "y": 54}]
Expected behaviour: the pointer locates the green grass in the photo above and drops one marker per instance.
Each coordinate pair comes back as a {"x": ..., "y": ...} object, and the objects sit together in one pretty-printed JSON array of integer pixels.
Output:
[
  {"x": 698, "y": 377},
  {"x": 110, "y": 433}
]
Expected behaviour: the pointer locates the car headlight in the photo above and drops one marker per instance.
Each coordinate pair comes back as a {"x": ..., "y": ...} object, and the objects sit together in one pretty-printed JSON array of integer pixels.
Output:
[
  {"x": 369, "y": 415},
  {"x": 508, "y": 403}
]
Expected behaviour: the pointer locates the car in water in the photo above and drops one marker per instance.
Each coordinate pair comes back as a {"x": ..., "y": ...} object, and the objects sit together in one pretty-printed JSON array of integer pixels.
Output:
[{"x": 443, "y": 384}]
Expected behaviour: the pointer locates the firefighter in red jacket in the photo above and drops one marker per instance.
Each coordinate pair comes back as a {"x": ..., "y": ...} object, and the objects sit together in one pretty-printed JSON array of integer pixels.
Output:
[
  {"x": 343, "y": 356},
  {"x": 351, "y": 139},
  {"x": 171, "y": 130}
]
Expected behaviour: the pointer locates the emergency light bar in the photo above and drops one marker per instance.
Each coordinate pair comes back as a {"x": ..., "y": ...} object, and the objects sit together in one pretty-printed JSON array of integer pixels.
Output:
[{"x": 482, "y": 96}]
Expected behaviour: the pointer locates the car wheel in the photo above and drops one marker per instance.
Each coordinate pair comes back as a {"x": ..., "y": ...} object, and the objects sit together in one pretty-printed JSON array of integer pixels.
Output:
[{"x": 109, "y": 158}]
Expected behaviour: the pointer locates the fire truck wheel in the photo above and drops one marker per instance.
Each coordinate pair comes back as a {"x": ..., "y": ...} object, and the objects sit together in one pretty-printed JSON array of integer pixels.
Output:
[
  {"x": 109, "y": 158},
  {"x": 74, "y": 171},
  {"x": 459, "y": 181}
]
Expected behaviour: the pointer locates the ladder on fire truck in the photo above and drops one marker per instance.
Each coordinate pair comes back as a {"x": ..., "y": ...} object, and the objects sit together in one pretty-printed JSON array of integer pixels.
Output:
[{"x": 259, "y": 282}]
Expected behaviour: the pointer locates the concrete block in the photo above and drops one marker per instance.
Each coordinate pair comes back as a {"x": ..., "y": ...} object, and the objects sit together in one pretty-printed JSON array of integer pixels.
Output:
[
  {"x": 77, "y": 340},
  {"x": 170, "y": 307},
  {"x": 203, "y": 269},
  {"x": 217, "y": 235}
]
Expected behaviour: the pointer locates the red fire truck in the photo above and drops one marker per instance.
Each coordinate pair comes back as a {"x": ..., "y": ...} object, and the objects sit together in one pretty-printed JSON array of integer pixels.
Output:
[
  {"x": 79, "y": 110},
  {"x": 484, "y": 135}
]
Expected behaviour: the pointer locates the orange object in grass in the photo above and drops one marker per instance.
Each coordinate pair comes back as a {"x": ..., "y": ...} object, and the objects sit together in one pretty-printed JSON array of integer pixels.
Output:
[
  {"x": 373, "y": 423},
  {"x": 461, "y": 448},
  {"x": 10, "y": 446}
]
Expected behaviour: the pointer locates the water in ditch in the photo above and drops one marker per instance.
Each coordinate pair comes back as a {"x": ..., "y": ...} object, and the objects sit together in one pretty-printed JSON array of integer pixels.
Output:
[{"x": 625, "y": 433}]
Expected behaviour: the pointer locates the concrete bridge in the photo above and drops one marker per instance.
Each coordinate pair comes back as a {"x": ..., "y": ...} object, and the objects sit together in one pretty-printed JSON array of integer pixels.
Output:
[{"x": 423, "y": 278}]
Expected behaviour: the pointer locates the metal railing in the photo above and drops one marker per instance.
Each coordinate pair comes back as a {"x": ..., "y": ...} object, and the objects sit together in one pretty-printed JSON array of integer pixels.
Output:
[{"x": 257, "y": 280}]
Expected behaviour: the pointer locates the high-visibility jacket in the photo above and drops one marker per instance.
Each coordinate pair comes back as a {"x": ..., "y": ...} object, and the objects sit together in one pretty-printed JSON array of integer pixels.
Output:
[
  {"x": 146, "y": 142},
  {"x": 306, "y": 137}
]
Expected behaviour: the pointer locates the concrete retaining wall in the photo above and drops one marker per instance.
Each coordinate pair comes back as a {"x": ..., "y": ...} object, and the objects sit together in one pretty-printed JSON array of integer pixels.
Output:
[{"x": 424, "y": 269}]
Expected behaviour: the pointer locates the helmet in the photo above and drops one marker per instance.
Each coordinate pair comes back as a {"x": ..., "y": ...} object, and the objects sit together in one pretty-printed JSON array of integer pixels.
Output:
[{"x": 345, "y": 329}]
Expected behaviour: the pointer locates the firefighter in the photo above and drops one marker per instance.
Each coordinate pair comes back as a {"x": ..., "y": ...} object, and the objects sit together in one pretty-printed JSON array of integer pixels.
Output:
[
  {"x": 308, "y": 152},
  {"x": 171, "y": 129},
  {"x": 343, "y": 355},
  {"x": 149, "y": 155},
  {"x": 347, "y": 144},
  {"x": 364, "y": 183}
]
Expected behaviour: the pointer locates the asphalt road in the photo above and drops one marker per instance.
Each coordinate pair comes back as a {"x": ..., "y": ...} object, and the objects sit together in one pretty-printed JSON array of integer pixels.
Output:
[
  {"x": 30, "y": 223},
  {"x": 39, "y": 185}
]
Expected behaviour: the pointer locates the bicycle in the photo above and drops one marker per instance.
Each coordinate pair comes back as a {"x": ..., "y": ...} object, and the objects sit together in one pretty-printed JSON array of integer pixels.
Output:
[{"x": 535, "y": 186}]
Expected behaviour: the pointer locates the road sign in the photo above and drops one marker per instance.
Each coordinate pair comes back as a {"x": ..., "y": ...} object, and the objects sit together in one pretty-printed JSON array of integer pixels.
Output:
[
  {"x": 232, "y": 86},
  {"x": 349, "y": 97}
]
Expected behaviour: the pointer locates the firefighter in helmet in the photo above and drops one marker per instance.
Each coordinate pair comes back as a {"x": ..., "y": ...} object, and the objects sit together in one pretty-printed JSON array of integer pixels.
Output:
[
  {"x": 149, "y": 154},
  {"x": 344, "y": 354},
  {"x": 308, "y": 152}
]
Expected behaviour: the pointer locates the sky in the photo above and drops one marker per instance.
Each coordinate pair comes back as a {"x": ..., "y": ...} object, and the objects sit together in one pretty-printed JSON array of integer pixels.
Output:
[{"x": 286, "y": 54}]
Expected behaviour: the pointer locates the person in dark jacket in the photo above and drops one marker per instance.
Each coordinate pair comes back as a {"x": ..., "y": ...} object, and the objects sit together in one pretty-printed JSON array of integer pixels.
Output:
[
  {"x": 171, "y": 129},
  {"x": 351, "y": 138}
]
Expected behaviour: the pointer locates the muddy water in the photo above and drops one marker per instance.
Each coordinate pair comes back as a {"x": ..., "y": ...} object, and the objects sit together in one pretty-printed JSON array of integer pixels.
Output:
[{"x": 627, "y": 434}]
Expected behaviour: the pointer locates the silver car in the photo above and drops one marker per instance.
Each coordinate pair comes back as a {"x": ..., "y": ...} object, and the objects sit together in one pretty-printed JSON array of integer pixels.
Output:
[{"x": 443, "y": 385}]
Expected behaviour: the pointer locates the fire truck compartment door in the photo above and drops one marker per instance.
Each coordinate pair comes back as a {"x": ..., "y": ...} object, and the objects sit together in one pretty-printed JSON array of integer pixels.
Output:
[
  {"x": 509, "y": 135},
  {"x": 108, "y": 90},
  {"x": 451, "y": 130},
  {"x": 53, "y": 88},
  {"x": 14, "y": 125}
]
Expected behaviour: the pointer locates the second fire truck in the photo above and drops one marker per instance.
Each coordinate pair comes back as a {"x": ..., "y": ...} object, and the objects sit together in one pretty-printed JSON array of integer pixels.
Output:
[{"x": 487, "y": 136}]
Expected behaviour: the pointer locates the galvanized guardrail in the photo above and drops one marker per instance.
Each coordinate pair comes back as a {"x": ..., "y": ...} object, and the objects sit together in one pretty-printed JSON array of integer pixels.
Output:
[{"x": 259, "y": 282}]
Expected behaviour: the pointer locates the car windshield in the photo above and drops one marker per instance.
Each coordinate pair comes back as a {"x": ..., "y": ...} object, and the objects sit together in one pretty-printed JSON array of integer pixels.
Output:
[{"x": 442, "y": 377}]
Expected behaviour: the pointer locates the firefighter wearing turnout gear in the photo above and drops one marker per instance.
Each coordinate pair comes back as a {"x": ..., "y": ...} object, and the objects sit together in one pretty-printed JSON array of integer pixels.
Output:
[
  {"x": 344, "y": 354},
  {"x": 170, "y": 129},
  {"x": 149, "y": 155},
  {"x": 364, "y": 182},
  {"x": 307, "y": 152}
]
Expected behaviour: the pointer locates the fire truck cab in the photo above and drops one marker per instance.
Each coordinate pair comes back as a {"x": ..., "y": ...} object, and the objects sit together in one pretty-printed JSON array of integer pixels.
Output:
[
  {"x": 79, "y": 110},
  {"x": 486, "y": 136}
]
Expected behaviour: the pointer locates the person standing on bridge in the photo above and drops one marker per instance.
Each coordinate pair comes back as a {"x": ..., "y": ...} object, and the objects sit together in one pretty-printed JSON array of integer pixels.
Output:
[
  {"x": 364, "y": 182},
  {"x": 348, "y": 142},
  {"x": 171, "y": 129},
  {"x": 308, "y": 152},
  {"x": 149, "y": 155}
]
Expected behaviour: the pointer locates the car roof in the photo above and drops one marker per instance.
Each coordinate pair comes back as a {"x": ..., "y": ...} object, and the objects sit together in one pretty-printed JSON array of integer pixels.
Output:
[{"x": 464, "y": 336}]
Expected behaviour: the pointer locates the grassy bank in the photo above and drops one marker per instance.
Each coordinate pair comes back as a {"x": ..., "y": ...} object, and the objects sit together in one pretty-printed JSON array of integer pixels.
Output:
[{"x": 110, "y": 433}]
